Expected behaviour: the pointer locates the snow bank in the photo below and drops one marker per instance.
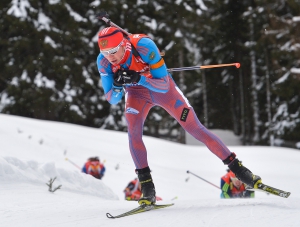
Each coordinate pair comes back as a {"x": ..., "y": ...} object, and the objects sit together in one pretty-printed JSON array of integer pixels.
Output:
[{"x": 14, "y": 170}]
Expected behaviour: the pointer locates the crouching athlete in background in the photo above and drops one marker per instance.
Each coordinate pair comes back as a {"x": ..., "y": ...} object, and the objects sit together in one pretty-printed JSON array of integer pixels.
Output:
[
  {"x": 133, "y": 191},
  {"x": 134, "y": 63},
  {"x": 232, "y": 187}
]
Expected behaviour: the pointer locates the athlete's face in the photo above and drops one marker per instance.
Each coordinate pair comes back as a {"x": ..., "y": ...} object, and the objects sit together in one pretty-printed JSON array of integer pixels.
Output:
[
  {"x": 114, "y": 55},
  {"x": 236, "y": 182}
]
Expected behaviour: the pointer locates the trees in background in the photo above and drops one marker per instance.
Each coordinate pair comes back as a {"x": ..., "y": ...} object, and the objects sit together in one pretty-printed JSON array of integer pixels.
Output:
[
  {"x": 47, "y": 62},
  {"x": 49, "y": 50}
]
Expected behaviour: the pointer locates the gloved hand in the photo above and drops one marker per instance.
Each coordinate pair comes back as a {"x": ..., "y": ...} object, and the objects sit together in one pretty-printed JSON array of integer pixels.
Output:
[
  {"x": 130, "y": 76},
  {"x": 118, "y": 79},
  {"x": 246, "y": 194}
]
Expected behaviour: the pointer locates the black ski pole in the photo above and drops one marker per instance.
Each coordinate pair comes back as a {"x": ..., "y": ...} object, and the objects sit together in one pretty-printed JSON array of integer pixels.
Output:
[
  {"x": 237, "y": 65},
  {"x": 104, "y": 16},
  {"x": 203, "y": 179}
]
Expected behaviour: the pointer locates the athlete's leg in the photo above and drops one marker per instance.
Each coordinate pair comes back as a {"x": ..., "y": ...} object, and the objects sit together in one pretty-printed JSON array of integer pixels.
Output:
[
  {"x": 178, "y": 106},
  {"x": 136, "y": 110}
]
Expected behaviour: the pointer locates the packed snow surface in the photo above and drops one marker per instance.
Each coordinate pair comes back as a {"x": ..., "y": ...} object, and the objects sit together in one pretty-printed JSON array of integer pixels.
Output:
[{"x": 33, "y": 151}]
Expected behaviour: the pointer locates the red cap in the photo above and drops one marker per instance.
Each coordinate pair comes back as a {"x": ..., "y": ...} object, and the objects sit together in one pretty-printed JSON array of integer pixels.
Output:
[{"x": 109, "y": 38}]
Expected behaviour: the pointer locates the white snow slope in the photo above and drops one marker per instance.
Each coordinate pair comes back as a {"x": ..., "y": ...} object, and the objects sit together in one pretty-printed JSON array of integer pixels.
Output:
[{"x": 33, "y": 151}]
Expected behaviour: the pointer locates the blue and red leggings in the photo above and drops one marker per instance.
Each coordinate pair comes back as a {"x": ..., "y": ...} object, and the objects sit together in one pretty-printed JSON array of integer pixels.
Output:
[{"x": 139, "y": 100}]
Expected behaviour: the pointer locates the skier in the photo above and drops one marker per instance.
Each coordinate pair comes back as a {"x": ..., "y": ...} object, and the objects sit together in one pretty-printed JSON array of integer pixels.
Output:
[
  {"x": 134, "y": 63},
  {"x": 232, "y": 187},
  {"x": 94, "y": 168},
  {"x": 133, "y": 191}
]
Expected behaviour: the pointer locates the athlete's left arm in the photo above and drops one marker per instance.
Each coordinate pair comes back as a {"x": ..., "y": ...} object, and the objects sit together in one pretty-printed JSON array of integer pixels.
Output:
[
  {"x": 158, "y": 69},
  {"x": 102, "y": 170}
]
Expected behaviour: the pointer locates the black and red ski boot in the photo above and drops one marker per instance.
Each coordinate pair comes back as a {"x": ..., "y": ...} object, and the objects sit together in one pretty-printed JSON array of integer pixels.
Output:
[
  {"x": 241, "y": 172},
  {"x": 148, "y": 196}
]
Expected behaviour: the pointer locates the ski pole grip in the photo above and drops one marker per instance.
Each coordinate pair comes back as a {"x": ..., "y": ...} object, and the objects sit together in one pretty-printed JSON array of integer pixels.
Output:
[
  {"x": 103, "y": 14},
  {"x": 105, "y": 17}
]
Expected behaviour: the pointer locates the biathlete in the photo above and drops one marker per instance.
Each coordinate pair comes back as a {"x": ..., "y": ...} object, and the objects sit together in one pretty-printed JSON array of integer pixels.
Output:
[{"x": 132, "y": 66}]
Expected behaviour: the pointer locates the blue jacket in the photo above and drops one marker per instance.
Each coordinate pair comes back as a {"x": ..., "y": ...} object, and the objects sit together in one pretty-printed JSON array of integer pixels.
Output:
[{"x": 150, "y": 54}]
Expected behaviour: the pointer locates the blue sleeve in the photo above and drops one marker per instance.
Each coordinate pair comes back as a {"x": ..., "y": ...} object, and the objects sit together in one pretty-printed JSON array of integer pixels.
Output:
[
  {"x": 84, "y": 169},
  {"x": 160, "y": 76},
  {"x": 102, "y": 171},
  {"x": 104, "y": 67}
]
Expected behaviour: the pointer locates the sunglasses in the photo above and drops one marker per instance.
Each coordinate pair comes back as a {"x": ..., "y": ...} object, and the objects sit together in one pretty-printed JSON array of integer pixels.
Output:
[{"x": 111, "y": 51}]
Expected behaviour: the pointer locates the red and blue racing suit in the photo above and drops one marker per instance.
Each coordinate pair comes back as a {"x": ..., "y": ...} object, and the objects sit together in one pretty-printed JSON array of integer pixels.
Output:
[{"x": 156, "y": 88}]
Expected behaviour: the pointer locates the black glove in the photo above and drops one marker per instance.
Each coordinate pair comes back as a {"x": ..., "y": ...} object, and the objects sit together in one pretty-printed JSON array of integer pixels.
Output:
[
  {"x": 246, "y": 194},
  {"x": 118, "y": 79},
  {"x": 130, "y": 76}
]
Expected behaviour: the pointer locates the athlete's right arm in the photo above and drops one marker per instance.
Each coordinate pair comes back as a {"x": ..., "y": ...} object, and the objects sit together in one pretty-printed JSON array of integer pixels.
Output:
[{"x": 112, "y": 93}]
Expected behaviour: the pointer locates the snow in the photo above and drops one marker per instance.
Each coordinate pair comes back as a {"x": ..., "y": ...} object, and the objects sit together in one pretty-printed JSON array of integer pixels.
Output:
[
  {"x": 283, "y": 78},
  {"x": 18, "y": 8},
  {"x": 33, "y": 151},
  {"x": 295, "y": 70},
  {"x": 51, "y": 42},
  {"x": 296, "y": 19},
  {"x": 76, "y": 16},
  {"x": 43, "y": 22},
  {"x": 42, "y": 81},
  {"x": 224, "y": 135}
]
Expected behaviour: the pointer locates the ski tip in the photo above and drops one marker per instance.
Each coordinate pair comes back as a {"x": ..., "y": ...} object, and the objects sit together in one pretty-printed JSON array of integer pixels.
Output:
[
  {"x": 109, "y": 215},
  {"x": 287, "y": 194},
  {"x": 284, "y": 194}
]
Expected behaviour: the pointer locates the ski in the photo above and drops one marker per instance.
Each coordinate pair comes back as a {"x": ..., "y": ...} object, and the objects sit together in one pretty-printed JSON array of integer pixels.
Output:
[
  {"x": 268, "y": 189},
  {"x": 140, "y": 209}
]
